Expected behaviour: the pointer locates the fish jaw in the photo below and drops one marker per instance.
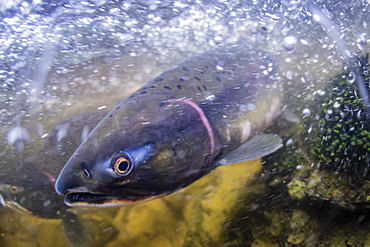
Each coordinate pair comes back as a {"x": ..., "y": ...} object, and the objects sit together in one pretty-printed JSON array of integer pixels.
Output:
[{"x": 88, "y": 199}]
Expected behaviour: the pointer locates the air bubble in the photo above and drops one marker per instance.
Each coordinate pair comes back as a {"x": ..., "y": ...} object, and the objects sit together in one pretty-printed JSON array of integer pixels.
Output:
[
  {"x": 306, "y": 112},
  {"x": 289, "y": 42},
  {"x": 17, "y": 133},
  {"x": 219, "y": 67}
]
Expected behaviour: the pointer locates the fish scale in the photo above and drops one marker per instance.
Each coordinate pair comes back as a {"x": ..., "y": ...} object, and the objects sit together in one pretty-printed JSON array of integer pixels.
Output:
[{"x": 203, "y": 108}]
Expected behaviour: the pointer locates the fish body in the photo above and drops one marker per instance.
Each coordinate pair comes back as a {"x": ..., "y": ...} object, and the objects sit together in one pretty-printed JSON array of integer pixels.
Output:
[{"x": 197, "y": 115}]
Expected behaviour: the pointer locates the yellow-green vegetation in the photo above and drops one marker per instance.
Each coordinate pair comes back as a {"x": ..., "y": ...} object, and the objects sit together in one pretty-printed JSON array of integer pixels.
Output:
[
  {"x": 296, "y": 188},
  {"x": 301, "y": 228},
  {"x": 269, "y": 216}
]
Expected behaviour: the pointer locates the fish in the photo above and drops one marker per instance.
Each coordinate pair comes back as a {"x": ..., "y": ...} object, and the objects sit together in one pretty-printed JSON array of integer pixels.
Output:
[
  {"x": 210, "y": 110},
  {"x": 31, "y": 191},
  {"x": 29, "y": 187}
]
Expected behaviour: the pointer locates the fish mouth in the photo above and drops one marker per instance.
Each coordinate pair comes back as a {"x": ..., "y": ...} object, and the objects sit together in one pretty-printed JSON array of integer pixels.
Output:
[
  {"x": 101, "y": 200},
  {"x": 85, "y": 197},
  {"x": 16, "y": 207}
]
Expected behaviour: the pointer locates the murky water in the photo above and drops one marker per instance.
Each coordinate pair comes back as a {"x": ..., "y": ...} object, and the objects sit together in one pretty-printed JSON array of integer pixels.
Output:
[{"x": 62, "y": 58}]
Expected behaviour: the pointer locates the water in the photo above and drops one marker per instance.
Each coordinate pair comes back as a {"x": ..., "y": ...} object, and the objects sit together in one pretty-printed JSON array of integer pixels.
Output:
[{"x": 62, "y": 58}]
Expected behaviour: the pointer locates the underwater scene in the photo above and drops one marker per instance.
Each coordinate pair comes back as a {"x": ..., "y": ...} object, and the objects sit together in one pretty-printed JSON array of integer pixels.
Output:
[{"x": 184, "y": 123}]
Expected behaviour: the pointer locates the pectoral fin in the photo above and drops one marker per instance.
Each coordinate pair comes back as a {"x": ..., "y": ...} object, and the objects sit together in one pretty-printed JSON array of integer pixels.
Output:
[
  {"x": 290, "y": 116},
  {"x": 256, "y": 147}
]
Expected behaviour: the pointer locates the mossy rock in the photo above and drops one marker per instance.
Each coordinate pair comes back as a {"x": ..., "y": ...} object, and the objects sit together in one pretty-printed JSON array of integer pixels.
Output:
[{"x": 327, "y": 154}]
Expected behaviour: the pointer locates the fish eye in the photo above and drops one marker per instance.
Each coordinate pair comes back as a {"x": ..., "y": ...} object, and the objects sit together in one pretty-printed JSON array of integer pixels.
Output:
[
  {"x": 121, "y": 164},
  {"x": 14, "y": 189}
]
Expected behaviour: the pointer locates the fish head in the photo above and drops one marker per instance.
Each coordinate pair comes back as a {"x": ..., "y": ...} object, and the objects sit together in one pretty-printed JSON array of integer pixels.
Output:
[
  {"x": 30, "y": 190},
  {"x": 135, "y": 154},
  {"x": 10, "y": 196}
]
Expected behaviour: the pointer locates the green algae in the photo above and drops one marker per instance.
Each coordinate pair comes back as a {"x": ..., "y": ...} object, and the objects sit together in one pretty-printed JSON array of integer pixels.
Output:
[{"x": 341, "y": 127}]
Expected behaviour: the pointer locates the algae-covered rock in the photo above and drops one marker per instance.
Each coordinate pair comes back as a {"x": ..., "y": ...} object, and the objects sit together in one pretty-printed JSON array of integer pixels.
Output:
[
  {"x": 268, "y": 216},
  {"x": 329, "y": 154}
]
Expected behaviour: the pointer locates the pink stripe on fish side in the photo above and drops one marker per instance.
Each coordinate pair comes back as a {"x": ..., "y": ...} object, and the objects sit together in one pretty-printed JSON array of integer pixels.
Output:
[
  {"x": 204, "y": 120},
  {"x": 49, "y": 176}
]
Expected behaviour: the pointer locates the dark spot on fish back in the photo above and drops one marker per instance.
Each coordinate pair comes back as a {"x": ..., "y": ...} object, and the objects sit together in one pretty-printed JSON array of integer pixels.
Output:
[
  {"x": 143, "y": 92},
  {"x": 182, "y": 79},
  {"x": 218, "y": 78},
  {"x": 111, "y": 115},
  {"x": 205, "y": 66},
  {"x": 129, "y": 98},
  {"x": 117, "y": 108},
  {"x": 197, "y": 78},
  {"x": 159, "y": 79},
  {"x": 148, "y": 86},
  {"x": 185, "y": 69},
  {"x": 167, "y": 87},
  {"x": 199, "y": 88},
  {"x": 205, "y": 88},
  {"x": 179, "y": 86}
]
